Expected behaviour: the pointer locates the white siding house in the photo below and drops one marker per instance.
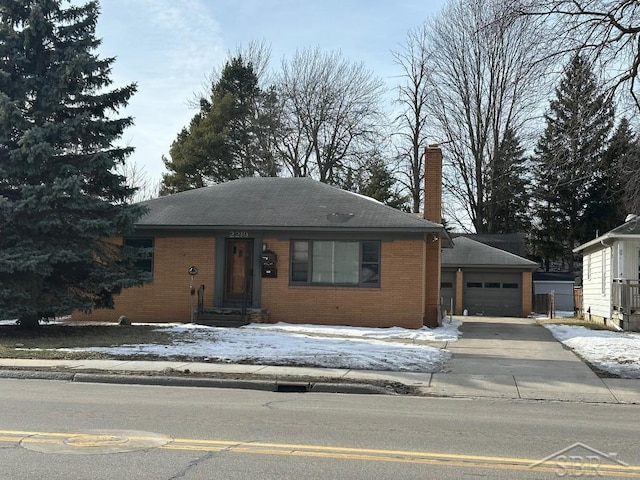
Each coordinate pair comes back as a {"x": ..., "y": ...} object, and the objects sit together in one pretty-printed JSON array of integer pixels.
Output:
[{"x": 611, "y": 266}]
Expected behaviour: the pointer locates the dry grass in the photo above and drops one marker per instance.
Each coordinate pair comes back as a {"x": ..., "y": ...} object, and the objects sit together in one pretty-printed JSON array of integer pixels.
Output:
[
  {"x": 574, "y": 321},
  {"x": 44, "y": 341}
]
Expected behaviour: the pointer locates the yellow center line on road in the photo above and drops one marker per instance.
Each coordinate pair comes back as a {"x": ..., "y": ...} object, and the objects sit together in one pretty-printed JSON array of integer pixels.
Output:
[{"x": 359, "y": 454}]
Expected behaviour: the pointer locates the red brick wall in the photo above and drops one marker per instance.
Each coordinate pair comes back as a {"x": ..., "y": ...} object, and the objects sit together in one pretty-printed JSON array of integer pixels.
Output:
[
  {"x": 167, "y": 298},
  {"x": 398, "y": 302},
  {"x": 433, "y": 184},
  {"x": 432, "y": 212},
  {"x": 527, "y": 293},
  {"x": 432, "y": 283},
  {"x": 459, "y": 291}
]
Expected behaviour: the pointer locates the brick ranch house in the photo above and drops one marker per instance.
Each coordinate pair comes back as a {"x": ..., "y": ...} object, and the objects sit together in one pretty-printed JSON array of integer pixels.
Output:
[{"x": 294, "y": 249}]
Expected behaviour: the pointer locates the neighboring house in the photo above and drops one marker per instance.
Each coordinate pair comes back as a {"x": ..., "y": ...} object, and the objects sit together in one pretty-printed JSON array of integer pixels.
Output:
[
  {"x": 291, "y": 249},
  {"x": 484, "y": 280},
  {"x": 610, "y": 272},
  {"x": 562, "y": 286}
]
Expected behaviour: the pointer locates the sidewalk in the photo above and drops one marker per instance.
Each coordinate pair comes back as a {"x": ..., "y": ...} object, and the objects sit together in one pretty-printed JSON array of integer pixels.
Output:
[{"x": 507, "y": 358}]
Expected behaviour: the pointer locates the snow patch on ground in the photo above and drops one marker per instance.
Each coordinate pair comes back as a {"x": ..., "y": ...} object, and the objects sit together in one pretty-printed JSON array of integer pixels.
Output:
[
  {"x": 448, "y": 332},
  {"x": 617, "y": 353},
  {"x": 395, "y": 349}
]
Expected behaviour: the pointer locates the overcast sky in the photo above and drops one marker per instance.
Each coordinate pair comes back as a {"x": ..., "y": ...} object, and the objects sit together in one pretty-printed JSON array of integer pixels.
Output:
[{"x": 169, "y": 47}]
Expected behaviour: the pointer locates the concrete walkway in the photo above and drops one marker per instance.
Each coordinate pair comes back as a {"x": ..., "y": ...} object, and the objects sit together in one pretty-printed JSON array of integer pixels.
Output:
[{"x": 495, "y": 357}]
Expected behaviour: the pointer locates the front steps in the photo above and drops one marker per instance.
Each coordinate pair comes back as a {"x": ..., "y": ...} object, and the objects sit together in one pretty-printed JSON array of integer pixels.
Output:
[{"x": 231, "y": 317}]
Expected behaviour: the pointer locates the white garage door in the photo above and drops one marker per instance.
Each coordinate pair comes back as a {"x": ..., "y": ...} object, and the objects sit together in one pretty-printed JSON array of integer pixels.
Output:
[{"x": 494, "y": 294}]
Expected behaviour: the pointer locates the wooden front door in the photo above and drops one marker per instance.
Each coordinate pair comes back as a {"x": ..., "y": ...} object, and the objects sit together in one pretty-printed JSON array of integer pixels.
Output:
[{"x": 238, "y": 281}]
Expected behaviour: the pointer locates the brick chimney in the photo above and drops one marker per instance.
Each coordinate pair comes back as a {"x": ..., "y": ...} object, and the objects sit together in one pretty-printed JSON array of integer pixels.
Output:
[
  {"x": 433, "y": 184},
  {"x": 433, "y": 213}
]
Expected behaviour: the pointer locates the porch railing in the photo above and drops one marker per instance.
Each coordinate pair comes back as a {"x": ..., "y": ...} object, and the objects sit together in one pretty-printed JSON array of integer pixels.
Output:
[{"x": 625, "y": 295}]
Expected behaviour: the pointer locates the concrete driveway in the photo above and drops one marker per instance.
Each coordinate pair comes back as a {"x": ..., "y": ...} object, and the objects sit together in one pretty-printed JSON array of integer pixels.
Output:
[{"x": 518, "y": 358}]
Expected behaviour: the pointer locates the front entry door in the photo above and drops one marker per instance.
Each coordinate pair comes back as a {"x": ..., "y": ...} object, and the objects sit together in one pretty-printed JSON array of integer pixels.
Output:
[{"x": 238, "y": 282}]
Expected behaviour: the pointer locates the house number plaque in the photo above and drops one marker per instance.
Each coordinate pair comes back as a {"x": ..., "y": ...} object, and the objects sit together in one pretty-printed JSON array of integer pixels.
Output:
[{"x": 238, "y": 234}]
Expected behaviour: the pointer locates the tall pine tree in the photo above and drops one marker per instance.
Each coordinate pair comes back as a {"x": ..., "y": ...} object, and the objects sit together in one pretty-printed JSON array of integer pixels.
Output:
[
  {"x": 59, "y": 195},
  {"x": 569, "y": 158},
  {"x": 605, "y": 206},
  {"x": 622, "y": 168},
  {"x": 229, "y": 138},
  {"x": 507, "y": 205}
]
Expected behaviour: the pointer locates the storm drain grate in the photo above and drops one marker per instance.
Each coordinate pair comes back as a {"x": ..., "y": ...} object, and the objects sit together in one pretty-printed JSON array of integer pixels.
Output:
[{"x": 293, "y": 387}]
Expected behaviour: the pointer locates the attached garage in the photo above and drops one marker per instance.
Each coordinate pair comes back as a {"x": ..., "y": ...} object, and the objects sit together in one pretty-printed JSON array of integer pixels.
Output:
[{"x": 485, "y": 280}]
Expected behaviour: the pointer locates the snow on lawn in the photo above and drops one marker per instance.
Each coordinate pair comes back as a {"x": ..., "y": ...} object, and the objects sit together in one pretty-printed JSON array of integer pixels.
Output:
[
  {"x": 613, "y": 352},
  {"x": 284, "y": 344},
  {"x": 448, "y": 332}
]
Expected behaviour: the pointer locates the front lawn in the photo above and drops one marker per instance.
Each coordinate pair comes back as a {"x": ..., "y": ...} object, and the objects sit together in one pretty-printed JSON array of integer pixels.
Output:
[{"x": 45, "y": 341}]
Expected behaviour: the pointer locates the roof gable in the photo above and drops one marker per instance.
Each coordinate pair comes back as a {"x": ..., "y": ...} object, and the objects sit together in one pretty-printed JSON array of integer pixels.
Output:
[
  {"x": 467, "y": 253},
  {"x": 277, "y": 203},
  {"x": 630, "y": 229},
  {"x": 509, "y": 242}
]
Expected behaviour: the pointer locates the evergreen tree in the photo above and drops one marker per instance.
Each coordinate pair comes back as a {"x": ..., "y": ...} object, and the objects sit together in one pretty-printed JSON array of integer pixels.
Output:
[
  {"x": 229, "y": 138},
  {"x": 547, "y": 249},
  {"x": 569, "y": 163},
  {"x": 59, "y": 195},
  {"x": 606, "y": 201},
  {"x": 508, "y": 188},
  {"x": 379, "y": 184},
  {"x": 372, "y": 179},
  {"x": 622, "y": 164}
]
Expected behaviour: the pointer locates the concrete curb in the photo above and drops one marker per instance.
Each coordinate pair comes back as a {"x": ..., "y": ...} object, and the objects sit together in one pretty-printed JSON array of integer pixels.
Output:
[
  {"x": 37, "y": 375},
  {"x": 174, "y": 381}
]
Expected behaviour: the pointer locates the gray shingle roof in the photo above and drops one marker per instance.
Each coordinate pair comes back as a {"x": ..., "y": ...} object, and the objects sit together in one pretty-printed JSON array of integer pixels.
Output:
[
  {"x": 278, "y": 204},
  {"x": 631, "y": 227},
  {"x": 469, "y": 253},
  {"x": 509, "y": 242},
  {"x": 627, "y": 229}
]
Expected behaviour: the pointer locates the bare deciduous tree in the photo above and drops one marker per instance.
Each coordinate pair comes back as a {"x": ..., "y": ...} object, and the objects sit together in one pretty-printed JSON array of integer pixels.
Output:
[
  {"x": 486, "y": 76},
  {"x": 330, "y": 116},
  {"x": 608, "y": 31},
  {"x": 138, "y": 178},
  {"x": 413, "y": 59}
]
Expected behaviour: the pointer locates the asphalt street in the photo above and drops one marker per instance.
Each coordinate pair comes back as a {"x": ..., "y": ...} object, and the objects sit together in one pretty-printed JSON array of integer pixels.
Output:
[{"x": 63, "y": 430}]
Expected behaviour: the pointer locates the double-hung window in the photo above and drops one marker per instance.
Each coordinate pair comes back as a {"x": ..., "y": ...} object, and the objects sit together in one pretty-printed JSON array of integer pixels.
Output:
[{"x": 335, "y": 262}]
